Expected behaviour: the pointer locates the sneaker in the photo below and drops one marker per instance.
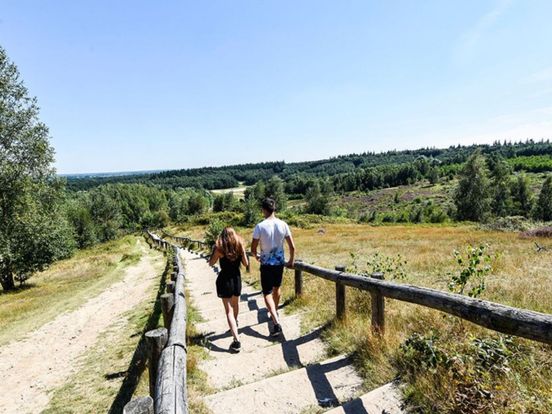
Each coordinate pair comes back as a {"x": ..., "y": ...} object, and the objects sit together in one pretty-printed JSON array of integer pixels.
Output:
[
  {"x": 277, "y": 330},
  {"x": 235, "y": 346}
]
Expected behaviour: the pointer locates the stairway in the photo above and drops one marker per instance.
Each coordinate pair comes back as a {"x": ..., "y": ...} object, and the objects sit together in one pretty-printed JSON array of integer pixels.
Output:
[{"x": 290, "y": 374}]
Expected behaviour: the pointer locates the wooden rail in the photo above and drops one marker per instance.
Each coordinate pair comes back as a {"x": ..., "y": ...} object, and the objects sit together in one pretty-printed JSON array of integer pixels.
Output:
[
  {"x": 506, "y": 319},
  {"x": 187, "y": 241},
  {"x": 167, "y": 346}
]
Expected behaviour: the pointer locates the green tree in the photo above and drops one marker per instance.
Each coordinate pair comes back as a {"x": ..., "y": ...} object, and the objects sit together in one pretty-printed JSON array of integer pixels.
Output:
[
  {"x": 34, "y": 231},
  {"x": 522, "y": 197},
  {"x": 433, "y": 175},
  {"x": 197, "y": 204},
  {"x": 251, "y": 210},
  {"x": 274, "y": 188},
  {"x": 501, "y": 203},
  {"x": 543, "y": 208},
  {"x": 80, "y": 218},
  {"x": 318, "y": 202},
  {"x": 472, "y": 196}
]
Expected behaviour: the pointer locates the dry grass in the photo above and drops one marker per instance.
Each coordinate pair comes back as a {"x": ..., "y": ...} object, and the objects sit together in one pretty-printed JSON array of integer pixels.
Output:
[
  {"x": 64, "y": 286},
  {"x": 521, "y": 278}
]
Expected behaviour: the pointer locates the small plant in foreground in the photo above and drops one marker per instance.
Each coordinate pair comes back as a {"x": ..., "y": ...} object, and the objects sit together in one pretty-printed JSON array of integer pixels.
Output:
[{"x": 475, "y": 265}]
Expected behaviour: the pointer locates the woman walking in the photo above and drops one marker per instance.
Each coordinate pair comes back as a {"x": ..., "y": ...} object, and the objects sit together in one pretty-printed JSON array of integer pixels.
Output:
[{"x": 229, "y": 250}]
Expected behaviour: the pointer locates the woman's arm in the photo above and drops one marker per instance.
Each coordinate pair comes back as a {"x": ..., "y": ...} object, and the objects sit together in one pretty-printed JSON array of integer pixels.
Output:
[
  {"x": 245, "y": 259},
  {"x": 215, "y": 255}
]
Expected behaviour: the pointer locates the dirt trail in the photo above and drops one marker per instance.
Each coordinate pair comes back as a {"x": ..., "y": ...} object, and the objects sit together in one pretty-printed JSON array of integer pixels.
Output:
[{"x": 46, "y": 357}]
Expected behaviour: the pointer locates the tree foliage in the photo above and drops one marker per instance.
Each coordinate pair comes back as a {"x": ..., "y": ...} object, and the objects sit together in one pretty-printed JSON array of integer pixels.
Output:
[
  {"x": 34, "y": 231},
  {"x": 472, "y": 197}
]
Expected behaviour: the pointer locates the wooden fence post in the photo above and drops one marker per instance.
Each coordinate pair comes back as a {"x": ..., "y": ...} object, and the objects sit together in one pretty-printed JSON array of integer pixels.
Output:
[
  {"x": 298, "y": 282},
  {"x": 167, "y": 308},
  {"x": 156, "y": 341},
  {"x": 340, "y": 296},
  {"x": 140, "y": 405},
  {"x": 378, "y": 308}
]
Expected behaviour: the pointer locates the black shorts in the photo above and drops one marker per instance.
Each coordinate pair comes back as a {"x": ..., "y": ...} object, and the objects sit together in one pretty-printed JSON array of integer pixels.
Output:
[
  {"x": 228, "y": 286},
  {"x": 271, "y": 277}
]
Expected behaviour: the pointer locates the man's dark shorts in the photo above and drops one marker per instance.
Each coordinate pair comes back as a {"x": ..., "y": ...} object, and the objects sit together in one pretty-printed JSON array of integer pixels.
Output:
[{"x": 271, "y": 277}]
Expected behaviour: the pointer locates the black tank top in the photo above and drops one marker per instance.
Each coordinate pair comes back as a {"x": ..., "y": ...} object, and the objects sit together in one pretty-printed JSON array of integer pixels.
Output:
[{"x": 229, "y": 268}]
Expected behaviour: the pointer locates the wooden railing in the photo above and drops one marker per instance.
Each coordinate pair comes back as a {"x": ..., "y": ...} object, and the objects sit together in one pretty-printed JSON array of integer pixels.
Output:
[
  {"x": 186, "y": 241},
  {"x": 167, "y": 346},
  {"x": 506, "y": 319}
]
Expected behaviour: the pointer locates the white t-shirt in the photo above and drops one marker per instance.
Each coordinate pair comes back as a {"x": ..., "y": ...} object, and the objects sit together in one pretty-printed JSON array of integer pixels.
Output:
[{"x": 272, "y": 233}]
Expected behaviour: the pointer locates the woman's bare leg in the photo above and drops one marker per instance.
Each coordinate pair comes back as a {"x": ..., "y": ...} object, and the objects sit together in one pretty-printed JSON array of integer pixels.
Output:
[
  {"x": 236, "y": 306},
  {"x": 230, "y": 317}
]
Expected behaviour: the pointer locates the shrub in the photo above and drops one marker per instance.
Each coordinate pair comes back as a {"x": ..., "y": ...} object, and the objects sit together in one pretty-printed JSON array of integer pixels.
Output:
[{"x": 474, "y": 266}]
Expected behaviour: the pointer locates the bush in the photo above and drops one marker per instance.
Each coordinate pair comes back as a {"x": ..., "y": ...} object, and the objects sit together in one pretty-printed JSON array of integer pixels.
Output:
[
  {"x": 538, "y": 232},
  {"x": 475, "y": 265},
  {"x": 510, "y": 223}
]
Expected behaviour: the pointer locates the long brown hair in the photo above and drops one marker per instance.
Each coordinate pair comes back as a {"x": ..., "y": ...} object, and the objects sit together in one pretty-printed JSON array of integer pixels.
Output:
[{"x": 230, "y": 244}]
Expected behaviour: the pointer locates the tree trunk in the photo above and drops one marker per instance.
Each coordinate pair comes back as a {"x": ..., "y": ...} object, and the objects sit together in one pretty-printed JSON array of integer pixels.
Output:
[{"x": 7, "y": 281}]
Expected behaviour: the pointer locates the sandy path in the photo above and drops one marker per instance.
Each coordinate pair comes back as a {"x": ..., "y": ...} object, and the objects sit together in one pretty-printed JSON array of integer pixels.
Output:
[{"x": 46, "y": 357}]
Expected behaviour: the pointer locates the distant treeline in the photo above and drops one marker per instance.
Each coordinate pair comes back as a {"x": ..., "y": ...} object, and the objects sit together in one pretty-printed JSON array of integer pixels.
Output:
[{"x": 352, "y": 172}]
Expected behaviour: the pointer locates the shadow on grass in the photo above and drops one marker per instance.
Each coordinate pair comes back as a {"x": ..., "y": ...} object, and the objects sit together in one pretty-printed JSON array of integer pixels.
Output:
[
  {"x": 18, "y": 289},
  {"x": 138, "y": 362}
]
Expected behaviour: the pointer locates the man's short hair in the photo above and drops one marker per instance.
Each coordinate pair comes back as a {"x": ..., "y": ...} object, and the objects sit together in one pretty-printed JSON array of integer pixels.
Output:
[{"x": 269, "y": 205}]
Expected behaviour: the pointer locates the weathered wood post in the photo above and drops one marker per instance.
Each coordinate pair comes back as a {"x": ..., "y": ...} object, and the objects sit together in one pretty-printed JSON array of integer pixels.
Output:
[
  {"x": 298, "y": 282},
  {"x": 170, "y": 287},
  {"x": 156, "y": 341},
  {"x": 140, "y": 405},
  {"x": 378, "y": 308},
  {"x": 340, "y": 296},
  {"x": 167, "y": 308}
]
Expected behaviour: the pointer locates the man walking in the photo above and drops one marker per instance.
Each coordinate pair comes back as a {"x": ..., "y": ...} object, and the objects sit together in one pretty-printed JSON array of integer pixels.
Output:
[{"x": 271, "y": 233}]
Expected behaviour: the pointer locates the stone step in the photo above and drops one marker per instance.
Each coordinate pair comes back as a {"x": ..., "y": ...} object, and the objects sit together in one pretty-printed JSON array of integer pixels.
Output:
[
  {"x": 245, "y": 368},
  {"x": 385, "y": 399},
  {"x": 331, "y": 381},
  {"x": 253, "y": 337}
]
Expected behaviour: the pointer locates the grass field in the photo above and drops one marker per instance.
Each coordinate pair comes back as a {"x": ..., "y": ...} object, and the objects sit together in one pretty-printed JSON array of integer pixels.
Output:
[{"x": 448, "y": 365}]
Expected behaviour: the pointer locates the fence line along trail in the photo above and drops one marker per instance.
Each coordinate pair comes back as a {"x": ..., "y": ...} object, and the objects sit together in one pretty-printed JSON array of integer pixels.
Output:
[
  {"x": 47, "y": 357},
  {"x": 290, "y": 374}
]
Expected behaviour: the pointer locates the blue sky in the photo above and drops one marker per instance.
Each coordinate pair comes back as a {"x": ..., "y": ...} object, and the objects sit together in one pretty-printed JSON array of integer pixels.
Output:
[{"x": 138, "y": 85}]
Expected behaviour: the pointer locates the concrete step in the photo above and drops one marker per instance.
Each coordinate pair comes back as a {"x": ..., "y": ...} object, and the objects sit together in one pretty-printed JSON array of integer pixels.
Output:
[
  {"x": 245, "y": 368},
  {"x": 385, "y": 399},
  {"x": 331, "y": 381},
  {"x": 253, "y": 337}
]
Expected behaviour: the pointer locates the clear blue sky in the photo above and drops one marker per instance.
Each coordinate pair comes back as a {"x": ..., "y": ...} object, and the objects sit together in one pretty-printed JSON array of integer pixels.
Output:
[{"x": 136, "y": 85}]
